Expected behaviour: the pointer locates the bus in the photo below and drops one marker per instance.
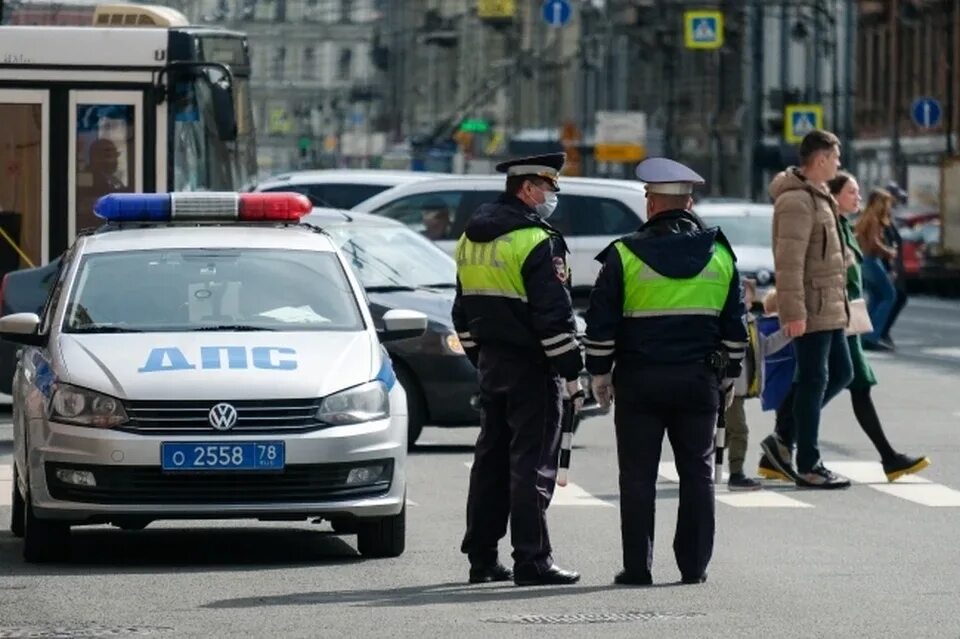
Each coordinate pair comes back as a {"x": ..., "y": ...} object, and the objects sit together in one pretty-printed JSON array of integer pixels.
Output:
[{"x": 138, "y": 101}]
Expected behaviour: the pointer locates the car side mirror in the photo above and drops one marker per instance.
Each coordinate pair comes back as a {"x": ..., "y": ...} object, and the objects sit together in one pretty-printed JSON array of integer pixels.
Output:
[
  {"x": 22, "y": 328},
  {"x": 401, "y": 324},
  {"x": 224, "y": 114}
]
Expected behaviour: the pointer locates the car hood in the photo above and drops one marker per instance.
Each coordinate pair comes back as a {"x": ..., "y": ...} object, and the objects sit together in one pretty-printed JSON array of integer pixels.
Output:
[
  {"x": 221, "y": 365},
  {"x": 436, "y": 304},
  {"x": 751, "y": 259}
]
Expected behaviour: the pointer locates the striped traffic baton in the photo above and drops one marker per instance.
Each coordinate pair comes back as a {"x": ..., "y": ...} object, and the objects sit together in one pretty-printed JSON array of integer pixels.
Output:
[
  {"x": 720, "y": 438},
  {"x": 568, "y": 421}
]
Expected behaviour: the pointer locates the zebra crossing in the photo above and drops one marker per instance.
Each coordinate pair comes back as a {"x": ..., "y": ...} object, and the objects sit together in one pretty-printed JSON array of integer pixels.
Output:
[{"x": 863, "y": 474}]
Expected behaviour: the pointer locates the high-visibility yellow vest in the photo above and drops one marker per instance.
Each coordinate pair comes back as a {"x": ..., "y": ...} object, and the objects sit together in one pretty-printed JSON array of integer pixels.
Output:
[
  {"x": 647, "y": 293},
  {"x": 495, "y": 268}
]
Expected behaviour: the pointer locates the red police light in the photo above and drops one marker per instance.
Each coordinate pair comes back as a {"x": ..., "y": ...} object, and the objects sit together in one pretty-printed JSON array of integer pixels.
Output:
[{"x": 273, "y": 207}]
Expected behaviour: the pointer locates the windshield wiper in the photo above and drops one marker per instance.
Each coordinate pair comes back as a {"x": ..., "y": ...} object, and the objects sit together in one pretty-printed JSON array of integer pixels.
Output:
[
  {"x": 389, "y": 288},
  {"x": 232, "y": 327},
  {"x": 98, "y": 328}
]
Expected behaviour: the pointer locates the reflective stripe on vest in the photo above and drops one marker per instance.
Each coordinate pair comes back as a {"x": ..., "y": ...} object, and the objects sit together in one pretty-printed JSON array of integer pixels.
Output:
[
  {"x": 495, "y": 268},
  {"x": 647, "y": 293}
]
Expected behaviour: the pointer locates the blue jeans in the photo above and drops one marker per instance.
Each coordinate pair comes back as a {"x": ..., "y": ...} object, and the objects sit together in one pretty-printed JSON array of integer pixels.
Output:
[
  {"x": 881, "y": 296},
  {"x": 823, "y": 370}
]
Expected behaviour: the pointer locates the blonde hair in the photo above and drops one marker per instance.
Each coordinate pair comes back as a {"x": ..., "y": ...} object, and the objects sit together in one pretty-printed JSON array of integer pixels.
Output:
[{"x": 770, "y": 306}]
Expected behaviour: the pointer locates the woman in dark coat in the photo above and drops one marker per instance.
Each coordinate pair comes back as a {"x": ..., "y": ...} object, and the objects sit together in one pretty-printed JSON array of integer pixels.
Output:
[{"x": 847, "y": 193}]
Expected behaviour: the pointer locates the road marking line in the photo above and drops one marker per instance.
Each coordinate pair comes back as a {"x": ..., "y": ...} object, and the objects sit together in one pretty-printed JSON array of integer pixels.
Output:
[
  {"x": 410, "y": 502},
  {"x": 943, "y": 352},
  {"x": 6, "y": 473},
  {"x": 752, "y": 499},
  {"x": 910, "y": 487},
  {"x": 6, "y": 492},
  {"x": 570, "y": 495},
  {"x": 761, "y": 499}
]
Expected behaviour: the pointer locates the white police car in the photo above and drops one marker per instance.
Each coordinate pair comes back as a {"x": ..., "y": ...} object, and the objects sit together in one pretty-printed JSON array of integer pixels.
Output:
[{"x": 205, "y": 356}]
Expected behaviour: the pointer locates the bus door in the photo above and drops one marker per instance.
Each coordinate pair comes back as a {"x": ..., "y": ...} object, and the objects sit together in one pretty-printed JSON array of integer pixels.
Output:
[
  {"x": 24, "y": 178},
  {"x": 105, "y": 151}
]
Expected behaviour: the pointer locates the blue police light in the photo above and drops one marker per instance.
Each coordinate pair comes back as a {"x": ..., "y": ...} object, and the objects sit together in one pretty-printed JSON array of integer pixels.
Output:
[
  {"x": 203, "y": 206},
  {"x": 134, "y": 207}
]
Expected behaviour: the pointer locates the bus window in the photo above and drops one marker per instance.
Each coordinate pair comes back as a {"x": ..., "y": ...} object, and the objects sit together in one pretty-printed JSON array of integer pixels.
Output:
[
  {"x": 106, "y": 156},
  {"x": 21, "y": 180},
  {"x": 202, "y": 162}
]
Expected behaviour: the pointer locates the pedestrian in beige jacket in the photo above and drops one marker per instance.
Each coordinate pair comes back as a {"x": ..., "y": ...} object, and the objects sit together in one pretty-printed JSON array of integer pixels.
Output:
[{"x": 811, "y": 268}]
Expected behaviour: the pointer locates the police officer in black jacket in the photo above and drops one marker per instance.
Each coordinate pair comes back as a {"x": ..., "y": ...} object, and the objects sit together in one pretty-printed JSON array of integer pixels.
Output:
[
  {"x": 514, "y": 316},
  {"x": 667, "y": 313}
]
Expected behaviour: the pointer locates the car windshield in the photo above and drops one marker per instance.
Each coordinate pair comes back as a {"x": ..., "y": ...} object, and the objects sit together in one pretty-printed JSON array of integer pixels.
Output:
[
  {"x": 390, "y": 256},
  {"x": 211, "y": 289},
  {"x": 744, "y": 230}
]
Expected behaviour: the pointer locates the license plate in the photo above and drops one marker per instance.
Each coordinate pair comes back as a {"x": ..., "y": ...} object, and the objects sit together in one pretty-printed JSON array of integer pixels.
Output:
[{"x": 222, "y": 456}]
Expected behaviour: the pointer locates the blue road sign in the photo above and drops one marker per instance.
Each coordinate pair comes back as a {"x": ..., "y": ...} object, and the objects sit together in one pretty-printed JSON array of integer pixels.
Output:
[
  {"x": 557, "y": 13},
  {"x": 926, "y": 112}
]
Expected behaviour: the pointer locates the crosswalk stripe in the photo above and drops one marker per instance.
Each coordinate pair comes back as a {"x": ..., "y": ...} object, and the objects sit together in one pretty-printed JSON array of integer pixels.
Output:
[
  {"x": 910, "y": 487},
  {"x": 6, "y": 473},
  {"x": 570, "y": 495},
  {"x": 751, "y": 499}
]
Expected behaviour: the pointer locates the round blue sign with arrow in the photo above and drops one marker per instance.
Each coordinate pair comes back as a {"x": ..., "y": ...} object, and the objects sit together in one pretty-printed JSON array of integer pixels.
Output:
[
  {"x": 557, "y": 13},
  {"x": 927, "y": 112}
]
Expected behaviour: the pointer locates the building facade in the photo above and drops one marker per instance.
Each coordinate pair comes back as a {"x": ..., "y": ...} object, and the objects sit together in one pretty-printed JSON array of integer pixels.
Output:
[
  {"x": 318, "y": 98},
  {"x": 907, "y": 56}
]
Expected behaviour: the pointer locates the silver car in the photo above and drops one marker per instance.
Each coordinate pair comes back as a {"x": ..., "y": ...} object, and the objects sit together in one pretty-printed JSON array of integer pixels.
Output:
[{"x": 197, "y": 370}]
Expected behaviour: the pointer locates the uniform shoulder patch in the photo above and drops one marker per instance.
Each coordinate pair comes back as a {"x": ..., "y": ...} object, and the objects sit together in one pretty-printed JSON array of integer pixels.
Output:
[{"x": 560, "y": 268}]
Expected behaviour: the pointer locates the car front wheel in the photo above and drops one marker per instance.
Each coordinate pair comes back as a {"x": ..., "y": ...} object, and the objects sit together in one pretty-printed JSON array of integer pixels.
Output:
[
  {"x": 384, "y": 537},
  {"x": 44, "y": 540},
  {"x": 17, "y": 507}
]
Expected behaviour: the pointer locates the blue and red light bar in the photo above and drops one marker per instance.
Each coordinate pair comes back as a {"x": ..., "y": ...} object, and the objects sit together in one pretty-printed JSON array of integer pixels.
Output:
[{"x": 202, "y": 206}]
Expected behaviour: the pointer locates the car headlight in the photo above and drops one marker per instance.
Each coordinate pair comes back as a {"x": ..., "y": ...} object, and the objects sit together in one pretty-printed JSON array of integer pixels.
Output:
[
  {"x": 73, "y": 405},
  {"x": 452, "y": 344},
  {"x": 356, "y": 405}
]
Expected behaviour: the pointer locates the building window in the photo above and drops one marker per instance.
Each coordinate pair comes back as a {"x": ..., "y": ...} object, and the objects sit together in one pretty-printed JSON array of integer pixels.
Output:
[
  {"x": 278, "y": 63},
  {"x": 345, "y": 64},
  {"x": 281, "y": 14},
  {"x": 346, "y": 10},
  {"x": 309, "y": 70}
]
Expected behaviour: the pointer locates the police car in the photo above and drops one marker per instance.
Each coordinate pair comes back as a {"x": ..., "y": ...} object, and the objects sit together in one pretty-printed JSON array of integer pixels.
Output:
[{"x": 206, "y": 356}]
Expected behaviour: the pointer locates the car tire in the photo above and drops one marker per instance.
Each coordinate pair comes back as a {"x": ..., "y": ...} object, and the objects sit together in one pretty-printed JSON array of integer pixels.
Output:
[
  {"x": 384, "y": 537},
  {"x": 44, "y": 540},
  {"x": 17, "y": 507},
  {"x": 416, "y": 405}
]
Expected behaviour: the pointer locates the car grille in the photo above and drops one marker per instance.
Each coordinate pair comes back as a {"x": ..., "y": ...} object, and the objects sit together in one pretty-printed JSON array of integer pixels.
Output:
[
  {"x": 253, "y": 416},
  {"x": 150, "y": 485}
]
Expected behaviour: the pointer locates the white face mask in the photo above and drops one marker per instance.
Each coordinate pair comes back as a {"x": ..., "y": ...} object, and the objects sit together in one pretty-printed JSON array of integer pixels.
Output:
[{"x": 548, "y": 206}]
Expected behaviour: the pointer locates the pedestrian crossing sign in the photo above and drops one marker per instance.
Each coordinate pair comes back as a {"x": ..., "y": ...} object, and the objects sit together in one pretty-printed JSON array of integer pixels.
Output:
[
  {"x": 801, "y": 119},
  {"x": 703, "y": 29}
]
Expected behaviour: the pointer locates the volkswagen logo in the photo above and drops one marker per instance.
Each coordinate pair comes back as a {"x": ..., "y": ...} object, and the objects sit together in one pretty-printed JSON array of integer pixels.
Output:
[{"x": 223, "y": 416}]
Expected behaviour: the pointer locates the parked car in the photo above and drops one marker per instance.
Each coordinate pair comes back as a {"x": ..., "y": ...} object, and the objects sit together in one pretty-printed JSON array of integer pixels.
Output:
[
  {"x": 401, "y": 269},
  {"x": 341, "y": 188},
  {"x": 920, "y": 232},
  {"x": 592, "y": 213},
  {"x": 749, "y": 228}
]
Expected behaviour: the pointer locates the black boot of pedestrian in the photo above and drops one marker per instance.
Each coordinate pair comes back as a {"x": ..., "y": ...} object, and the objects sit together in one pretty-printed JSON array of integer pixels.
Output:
[
  {"x": 625, "y": 578},
  {"x": 490, "y": 573},
  {"x": 552, "y": 576},
  {"x": 900, "y": 465},
  {"x": 694, "y": 579}
]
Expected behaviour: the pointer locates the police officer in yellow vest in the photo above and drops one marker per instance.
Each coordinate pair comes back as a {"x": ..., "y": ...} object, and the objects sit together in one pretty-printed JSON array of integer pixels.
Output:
[
  {"x": 666, "y": 316},
  {"x": 514, "y": 316}
]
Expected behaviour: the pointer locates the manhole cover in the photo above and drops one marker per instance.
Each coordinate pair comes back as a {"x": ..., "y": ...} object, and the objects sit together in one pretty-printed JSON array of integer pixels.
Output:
[
  {"x": 593, "y": 617},
  {"x": 66, "y": 632}
]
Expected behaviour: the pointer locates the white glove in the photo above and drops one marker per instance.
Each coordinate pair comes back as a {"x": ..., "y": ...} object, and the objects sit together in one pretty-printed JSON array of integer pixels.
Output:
[
  {"x": 602, "y": 388},
  {"x": 728, "y": 393},
  {"x": 570, "y": 390}
]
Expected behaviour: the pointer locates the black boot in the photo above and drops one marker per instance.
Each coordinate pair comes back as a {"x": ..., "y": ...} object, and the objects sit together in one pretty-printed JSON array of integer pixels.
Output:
[
  {"x": 490, "y": 572},
  {"x": 901, "y": 464},
  {"x": 552, "y": 576},
  {"x": 625, "y": 578}
]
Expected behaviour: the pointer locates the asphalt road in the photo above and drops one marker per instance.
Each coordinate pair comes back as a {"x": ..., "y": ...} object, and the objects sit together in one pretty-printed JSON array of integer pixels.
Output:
[{"x": 876, "y": 560}]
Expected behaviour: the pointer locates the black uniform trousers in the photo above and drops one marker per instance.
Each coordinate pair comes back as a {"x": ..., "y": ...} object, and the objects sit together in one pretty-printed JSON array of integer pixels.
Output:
[
  {"x": 515, "y": 460},
  {"x": 681, "y": 400}
]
